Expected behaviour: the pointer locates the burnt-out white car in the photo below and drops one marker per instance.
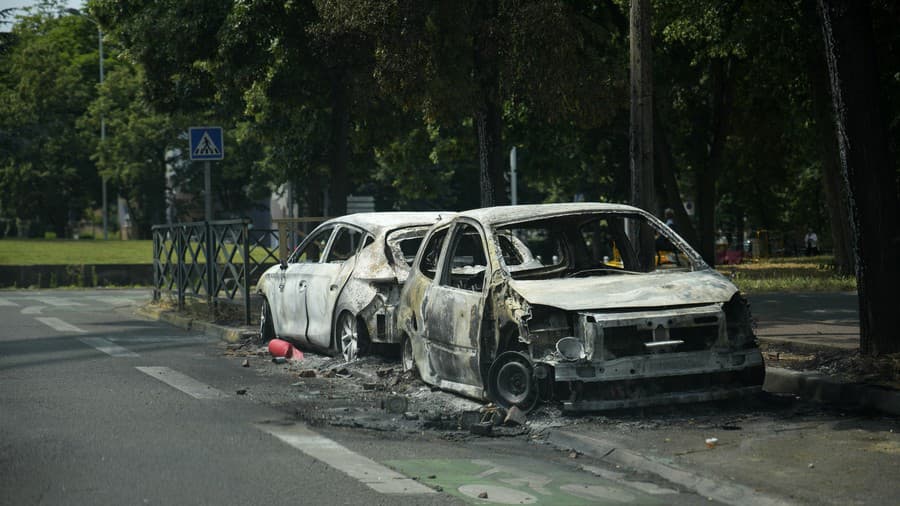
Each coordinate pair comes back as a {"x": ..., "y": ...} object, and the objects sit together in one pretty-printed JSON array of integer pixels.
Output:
[
  {"x": 339, "y": 288},
  {"x": 598, "y": 306}
]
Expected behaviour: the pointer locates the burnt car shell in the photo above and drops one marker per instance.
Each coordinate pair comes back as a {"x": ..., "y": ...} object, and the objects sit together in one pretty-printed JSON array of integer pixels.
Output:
[
  {"x": 616, "y": 339},
  {"x": 304, "y": 299}
]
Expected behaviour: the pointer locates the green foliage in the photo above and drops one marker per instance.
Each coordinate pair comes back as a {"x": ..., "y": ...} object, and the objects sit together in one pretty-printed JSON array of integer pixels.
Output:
[
  {"x": 382, "y": 97},
  {"x": 46, "y": 177}
]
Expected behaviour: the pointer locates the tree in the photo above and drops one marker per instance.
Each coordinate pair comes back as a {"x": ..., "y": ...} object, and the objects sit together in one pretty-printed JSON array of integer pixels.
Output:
[
  {"x": 492, "y": 57},
  {"x": 46, "y": 177},
  {"x": 869, "y": 171},
  {"x": 132, "y": 157}
]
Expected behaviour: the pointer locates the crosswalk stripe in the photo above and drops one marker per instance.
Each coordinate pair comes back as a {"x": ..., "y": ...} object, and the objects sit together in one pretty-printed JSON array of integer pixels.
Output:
[
  {"x": 56, "y": 301},
  {"x": 7, "y": 302},
  {"x": 108, "y": 347},
  {"x": 367, "y": 471},
  {"x": 59, "y": 325},
  {"x": 112, "y": 301},
  {"x": 183, "y": 382}
]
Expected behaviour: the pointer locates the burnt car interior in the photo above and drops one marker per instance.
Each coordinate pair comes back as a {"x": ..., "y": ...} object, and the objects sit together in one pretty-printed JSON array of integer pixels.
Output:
[
  {"x": 467, "y": 260},
  {"x": 584, "y": 245}
]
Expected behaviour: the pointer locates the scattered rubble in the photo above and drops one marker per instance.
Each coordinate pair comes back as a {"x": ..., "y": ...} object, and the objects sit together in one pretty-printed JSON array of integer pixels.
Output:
[
  {"x": 373, "y": 393},
  {"x": 845, "y": 364}
]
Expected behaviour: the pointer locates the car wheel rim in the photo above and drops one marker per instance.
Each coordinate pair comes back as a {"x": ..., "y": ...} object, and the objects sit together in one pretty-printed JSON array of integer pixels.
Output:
[
  {"x": 514, "y": 382},
  {"x": 262, "y": 319},
  {"x": 511, "y": 381},
  {"x": 349, "y": 338}
]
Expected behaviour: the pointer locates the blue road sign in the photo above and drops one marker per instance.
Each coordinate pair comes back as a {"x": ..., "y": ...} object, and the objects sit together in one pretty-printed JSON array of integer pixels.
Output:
[{"x": 207, "y": 143}]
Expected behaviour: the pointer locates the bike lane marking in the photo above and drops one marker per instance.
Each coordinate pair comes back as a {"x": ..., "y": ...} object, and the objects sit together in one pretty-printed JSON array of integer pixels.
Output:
[
  {"x": 514, "y": 481},
  {"x": 370, "y": 473},
  {"x": 183, "y": 382},
  {"x": 110, "y": 348}
]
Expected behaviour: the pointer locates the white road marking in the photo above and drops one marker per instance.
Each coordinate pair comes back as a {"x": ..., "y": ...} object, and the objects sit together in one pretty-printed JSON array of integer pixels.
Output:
[
  {"x": 33, "y": 310},
  {"x": 367, "y": 471},
  {"x": 112, "y": 301},
  {"x": 183, "y": 382},
  {"x": 7, "y": 302},
  {"x": 108, "y": 347},
  {"x": 157, "y": 340},
  {"x": 57, "y": 301},
  {"x": 57, "y": 324}
]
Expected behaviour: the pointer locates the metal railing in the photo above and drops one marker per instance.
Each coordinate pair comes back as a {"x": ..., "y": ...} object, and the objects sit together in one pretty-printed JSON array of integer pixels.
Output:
[
  {"x": 240, "y": 255},
  {"x": 292, "y": 231}
]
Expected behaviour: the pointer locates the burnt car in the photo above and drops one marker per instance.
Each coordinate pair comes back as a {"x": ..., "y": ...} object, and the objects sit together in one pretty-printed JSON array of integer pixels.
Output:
[
  {"x": 598, "y": 306},
  {"x": 339, "y": 288}
]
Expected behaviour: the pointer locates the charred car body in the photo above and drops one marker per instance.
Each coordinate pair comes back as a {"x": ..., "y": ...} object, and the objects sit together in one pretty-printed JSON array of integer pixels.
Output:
[
  {"x": 599, "y": 306},
  {"x": 339, "y": 288}
]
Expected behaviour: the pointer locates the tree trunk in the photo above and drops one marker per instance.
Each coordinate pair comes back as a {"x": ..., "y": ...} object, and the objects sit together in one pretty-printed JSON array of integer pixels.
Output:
[
  {"x": 708, "y": 173},
  {"x": 867, "y": 167},
  {"x": 823, "y": 114},
  {"x": 488, "y": 114},
  {"x": 665, "y": 180},
  {"x": 340, "y": 147},
  {"x": 641, "y": 135}
]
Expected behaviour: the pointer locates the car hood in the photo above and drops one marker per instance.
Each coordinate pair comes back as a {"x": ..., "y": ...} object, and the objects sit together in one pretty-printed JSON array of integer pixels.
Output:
[{"x": 627, "y": 291}]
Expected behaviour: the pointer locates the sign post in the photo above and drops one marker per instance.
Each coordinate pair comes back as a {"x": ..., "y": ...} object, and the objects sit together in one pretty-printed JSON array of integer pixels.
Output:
[{"x": 207, "y": 144}]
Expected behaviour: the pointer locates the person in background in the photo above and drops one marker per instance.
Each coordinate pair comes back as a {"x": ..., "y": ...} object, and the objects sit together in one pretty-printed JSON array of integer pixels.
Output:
[{"x": 812, "y": 243}]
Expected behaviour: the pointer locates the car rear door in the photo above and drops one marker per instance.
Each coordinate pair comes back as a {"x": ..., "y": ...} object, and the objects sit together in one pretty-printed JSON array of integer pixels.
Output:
[
  {"x": 289, "y": 307},
  {"x": 325, "y": 283}
]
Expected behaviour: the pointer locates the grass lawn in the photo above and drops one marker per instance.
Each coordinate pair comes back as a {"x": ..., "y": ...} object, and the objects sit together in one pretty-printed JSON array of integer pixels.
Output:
[
  {"x": 790, "y": 274},
  {"x": 72, "y": 252}
]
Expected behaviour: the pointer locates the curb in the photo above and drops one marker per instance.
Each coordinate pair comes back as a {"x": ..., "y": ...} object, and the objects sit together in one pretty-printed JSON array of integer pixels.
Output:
[
  {"x": 825, "y": 389},
  {"x": 716, "y": 488},
  {"x": 221, "y": 332}
]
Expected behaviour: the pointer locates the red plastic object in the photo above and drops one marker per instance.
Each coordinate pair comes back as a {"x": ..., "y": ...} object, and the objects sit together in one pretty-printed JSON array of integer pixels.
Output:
[{"x": 281, "y": 348}]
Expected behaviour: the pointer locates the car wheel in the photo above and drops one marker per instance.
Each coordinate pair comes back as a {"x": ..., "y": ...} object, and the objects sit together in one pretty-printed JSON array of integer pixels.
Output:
[
  {"x": 407, "y": 359},
  {"x": 511, "y": 381},
  {"x": 348, "y": 337},
  {"x": 266, "y": 325}
]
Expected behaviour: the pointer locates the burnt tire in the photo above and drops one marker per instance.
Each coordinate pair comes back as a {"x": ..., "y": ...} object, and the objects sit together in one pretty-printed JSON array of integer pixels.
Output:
[
  {"x": 511, "y": 382},
  {"x": 266, "y": 325}
]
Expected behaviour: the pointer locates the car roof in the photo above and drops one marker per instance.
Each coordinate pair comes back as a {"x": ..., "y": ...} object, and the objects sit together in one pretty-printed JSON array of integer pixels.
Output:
[
  {"x": 503, "y": 214},
  {"x": 378, "y": 222}
]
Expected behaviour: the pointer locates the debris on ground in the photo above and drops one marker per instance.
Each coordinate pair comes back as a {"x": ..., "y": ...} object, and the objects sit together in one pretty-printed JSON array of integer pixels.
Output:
[
  {"x": 846, "y": 364},
  {"x": 514, "y": 416},
  {"x": 395, "y": 404},
  {"x": 245, "y": 363}
]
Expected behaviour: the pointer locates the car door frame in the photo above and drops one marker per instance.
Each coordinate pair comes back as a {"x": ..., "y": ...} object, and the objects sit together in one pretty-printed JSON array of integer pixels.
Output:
[
  {"x": 453, "y": 340},
  {"x": 325, "y": 285},
  {"x": 289, "y": 308}
]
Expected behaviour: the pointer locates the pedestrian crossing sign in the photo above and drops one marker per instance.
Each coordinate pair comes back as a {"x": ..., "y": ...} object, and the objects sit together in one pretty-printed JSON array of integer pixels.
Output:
[{"x": 206, "y": 143}]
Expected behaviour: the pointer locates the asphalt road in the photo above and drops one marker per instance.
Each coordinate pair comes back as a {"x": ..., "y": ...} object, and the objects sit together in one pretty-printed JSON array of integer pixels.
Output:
[
  {"x": 100, "y": 407},
  {"x": 829, "y": 318}
]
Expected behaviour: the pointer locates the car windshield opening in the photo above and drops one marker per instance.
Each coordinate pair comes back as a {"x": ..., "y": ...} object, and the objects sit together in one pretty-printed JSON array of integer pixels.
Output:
[{"x": 585, "y": 245}]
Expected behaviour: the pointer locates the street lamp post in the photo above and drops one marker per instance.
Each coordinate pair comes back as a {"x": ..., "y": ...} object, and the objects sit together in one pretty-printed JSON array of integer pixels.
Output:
[{"x": 77, "y": 12}]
